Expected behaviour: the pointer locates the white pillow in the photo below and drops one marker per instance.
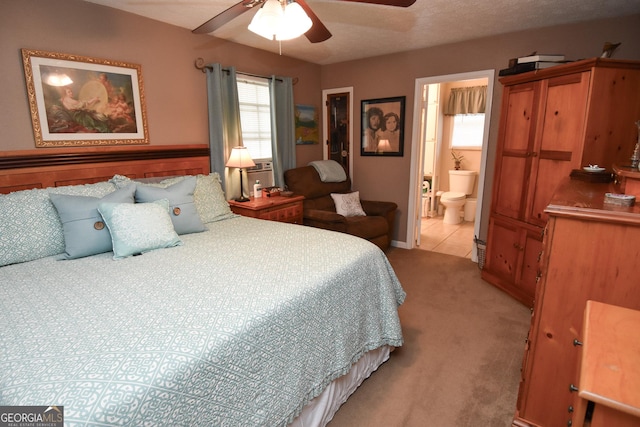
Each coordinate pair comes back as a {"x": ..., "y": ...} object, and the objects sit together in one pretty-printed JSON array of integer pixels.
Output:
[
  {"x": 348, "y": 204},
  {"x": 139, "y": 228}
]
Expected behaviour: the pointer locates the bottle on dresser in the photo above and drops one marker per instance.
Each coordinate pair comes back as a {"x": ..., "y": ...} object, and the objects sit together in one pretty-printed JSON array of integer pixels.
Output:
[{"x": 257, "y": 189}]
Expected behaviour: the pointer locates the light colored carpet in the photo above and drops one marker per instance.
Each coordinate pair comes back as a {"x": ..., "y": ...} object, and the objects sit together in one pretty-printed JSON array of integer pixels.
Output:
[{"x": 460, "y": 363}]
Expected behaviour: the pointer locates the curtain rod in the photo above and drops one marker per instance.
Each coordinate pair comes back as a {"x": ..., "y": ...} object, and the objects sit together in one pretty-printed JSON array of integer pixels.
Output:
[{"x": 200, "y": 65}]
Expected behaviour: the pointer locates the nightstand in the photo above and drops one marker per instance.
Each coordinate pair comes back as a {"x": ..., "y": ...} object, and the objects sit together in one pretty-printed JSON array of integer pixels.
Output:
[{"x": 277, "y": 208}]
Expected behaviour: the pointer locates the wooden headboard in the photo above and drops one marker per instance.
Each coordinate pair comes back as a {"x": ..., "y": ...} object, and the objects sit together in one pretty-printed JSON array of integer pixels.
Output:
[{"x": 52, "y": 167}]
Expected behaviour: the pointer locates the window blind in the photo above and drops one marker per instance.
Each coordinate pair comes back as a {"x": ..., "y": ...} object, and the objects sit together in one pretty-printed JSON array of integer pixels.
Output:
[{"x": 255, "y": 117}]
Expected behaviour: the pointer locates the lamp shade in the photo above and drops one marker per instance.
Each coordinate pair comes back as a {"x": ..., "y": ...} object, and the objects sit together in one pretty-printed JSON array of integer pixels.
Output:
[
  {"x": 272, "y": 21},
  {"x": 240, "y": 158},
  {"x": 268, "y": 19},
  {"x": 295, "y": 22}
]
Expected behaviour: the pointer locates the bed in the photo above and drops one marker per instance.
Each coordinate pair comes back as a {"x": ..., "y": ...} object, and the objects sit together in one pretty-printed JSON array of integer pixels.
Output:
[{"x": 245, "y": 322}]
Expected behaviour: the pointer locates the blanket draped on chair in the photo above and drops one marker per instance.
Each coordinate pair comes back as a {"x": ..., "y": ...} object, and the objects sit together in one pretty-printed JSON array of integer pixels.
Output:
[{"x": 329, "y": 170}]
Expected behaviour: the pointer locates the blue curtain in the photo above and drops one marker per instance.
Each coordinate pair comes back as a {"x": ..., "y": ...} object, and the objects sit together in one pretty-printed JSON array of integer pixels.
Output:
[
  {"x": 283, "y": 132},
  {"x": 224, "y": 125}
]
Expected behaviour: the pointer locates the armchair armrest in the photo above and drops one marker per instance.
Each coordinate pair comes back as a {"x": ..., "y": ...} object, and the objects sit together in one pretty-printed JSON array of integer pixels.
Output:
[{"x": 378, "y": 208}]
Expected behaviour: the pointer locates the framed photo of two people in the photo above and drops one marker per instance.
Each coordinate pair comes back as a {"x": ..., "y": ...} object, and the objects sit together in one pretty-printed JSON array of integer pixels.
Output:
[{"x": 383, "y": 127}]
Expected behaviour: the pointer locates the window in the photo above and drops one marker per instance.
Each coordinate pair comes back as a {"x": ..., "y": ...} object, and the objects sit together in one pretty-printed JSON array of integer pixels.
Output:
[
  {"x": 468, "y": 131},
  {"x": 255, "y": 116}
]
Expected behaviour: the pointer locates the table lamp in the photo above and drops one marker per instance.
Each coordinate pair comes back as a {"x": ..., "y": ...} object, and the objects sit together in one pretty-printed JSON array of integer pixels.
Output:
[{"x": 240, "y": 158}]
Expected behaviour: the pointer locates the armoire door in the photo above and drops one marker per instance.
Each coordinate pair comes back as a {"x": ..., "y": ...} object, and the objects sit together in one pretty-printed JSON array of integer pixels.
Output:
[
  {"x": 515, "y": 148},
  {"x": 559, "y": 139}
]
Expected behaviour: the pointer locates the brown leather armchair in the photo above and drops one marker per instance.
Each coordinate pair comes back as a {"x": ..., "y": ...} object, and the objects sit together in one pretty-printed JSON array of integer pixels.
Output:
[{"x": 319, "y": 209}]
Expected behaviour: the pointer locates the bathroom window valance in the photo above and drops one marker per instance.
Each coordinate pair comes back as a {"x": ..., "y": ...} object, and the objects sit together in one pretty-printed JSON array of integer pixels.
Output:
[{"x": 466, "y": 100}]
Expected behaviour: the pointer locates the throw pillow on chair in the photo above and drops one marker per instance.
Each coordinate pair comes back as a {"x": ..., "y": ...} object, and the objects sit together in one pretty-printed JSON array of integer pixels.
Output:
[{"x": 348, "y": 204}]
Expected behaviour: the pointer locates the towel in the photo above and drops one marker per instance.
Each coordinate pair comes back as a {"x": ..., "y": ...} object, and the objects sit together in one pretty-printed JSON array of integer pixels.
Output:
[{"x": 329, "y": 170}]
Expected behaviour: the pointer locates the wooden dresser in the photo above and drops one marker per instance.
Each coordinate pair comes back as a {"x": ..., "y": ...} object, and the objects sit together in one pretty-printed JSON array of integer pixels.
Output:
[
  {"x": 276, "y": 208},
  {"x": 591, "y": 251},
  {"x": 609, "y": 388},
  {"x": 552, "y": 121}
]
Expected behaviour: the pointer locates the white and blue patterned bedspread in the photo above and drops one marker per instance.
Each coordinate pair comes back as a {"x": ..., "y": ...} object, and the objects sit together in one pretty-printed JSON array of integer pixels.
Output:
[{"x": 241, "y": 326}]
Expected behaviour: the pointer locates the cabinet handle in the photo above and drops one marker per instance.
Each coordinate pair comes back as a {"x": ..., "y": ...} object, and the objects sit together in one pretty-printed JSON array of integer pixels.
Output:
[
  {"x": 576, "y": 343},
  {"x": 573, "y": 388}
]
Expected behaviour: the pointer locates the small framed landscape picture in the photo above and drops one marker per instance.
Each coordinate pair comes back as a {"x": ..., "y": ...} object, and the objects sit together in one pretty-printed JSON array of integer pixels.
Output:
[
  {"x": 78, "y": 100},
  {"x": 383, "y": 127},
  {"x": 306, "y": 124}
]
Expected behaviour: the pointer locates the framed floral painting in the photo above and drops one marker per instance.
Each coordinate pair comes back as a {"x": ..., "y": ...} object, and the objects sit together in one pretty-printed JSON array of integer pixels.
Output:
[{"x": 78, "y": 100}]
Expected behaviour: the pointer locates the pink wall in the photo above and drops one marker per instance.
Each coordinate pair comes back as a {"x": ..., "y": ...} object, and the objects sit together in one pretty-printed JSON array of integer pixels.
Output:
[
  {"x": 176, "y": 91},
  {"x": 387, "y": 178}
]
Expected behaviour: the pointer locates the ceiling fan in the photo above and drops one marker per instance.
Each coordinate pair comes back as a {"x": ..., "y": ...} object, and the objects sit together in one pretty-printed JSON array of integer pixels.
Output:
[{"x": 316, "y": 34}]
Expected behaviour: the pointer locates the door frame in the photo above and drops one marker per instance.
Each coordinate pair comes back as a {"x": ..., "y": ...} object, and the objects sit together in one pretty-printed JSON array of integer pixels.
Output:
[
  {"x": 325, "y": 123},
  {"x": 416, "y": 175}
]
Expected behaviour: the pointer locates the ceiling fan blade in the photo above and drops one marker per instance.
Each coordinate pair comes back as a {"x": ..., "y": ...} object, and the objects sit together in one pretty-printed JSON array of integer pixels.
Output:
[
  {"x": 222, "y": 18},
  {"x": 318, "y": 32},
  {"x": 398, "y": 3}
]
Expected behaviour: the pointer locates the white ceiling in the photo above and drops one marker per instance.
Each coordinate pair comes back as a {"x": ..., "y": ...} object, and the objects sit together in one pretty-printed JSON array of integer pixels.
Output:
[{"x": 364, "y": 30}]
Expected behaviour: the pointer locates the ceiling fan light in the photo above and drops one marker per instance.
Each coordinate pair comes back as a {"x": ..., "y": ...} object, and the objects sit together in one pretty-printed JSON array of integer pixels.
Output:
[
  {"x": 295, "y": 22},
  {"x": 268, "y": 19}
]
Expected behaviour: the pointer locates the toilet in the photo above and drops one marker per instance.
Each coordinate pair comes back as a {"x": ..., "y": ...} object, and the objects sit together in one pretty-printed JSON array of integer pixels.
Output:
[{"x": 461, "y": 185}]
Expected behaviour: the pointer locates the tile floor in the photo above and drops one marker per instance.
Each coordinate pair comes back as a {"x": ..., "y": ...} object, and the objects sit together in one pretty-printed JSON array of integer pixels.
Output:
[{"x": 452, "y": 239}]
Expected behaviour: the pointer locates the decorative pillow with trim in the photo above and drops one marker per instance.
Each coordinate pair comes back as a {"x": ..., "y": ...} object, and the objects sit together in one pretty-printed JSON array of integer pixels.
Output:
[
  {"x": 182, "y": 208},
  {"x": 84, "y": 230},
  {"x": 208, "y": 196},
  {"x": 348, "y": 204},
  {"x": 30, "y": 227},
  {"x": 139, "y": 228},
  {"x": 210, "y": 200}
]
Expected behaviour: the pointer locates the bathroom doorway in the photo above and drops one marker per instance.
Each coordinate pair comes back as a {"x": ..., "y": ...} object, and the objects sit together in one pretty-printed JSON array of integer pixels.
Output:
[{"x": 431, "y": 159}]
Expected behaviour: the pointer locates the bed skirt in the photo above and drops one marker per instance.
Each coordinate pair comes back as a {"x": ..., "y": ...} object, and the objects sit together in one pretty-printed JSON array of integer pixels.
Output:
[{"x": 321, "y": 409}]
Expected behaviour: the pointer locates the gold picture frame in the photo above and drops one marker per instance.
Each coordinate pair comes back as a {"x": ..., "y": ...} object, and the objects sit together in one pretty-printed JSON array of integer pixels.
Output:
[{"x": 84, "y": 101}]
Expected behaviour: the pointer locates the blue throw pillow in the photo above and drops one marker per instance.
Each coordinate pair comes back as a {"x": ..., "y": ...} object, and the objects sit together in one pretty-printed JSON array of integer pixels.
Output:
[
  {"x": 84, "y": 230},
  {"x": 182, "y": 208},
  {"x": 139, "y": 228}
]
